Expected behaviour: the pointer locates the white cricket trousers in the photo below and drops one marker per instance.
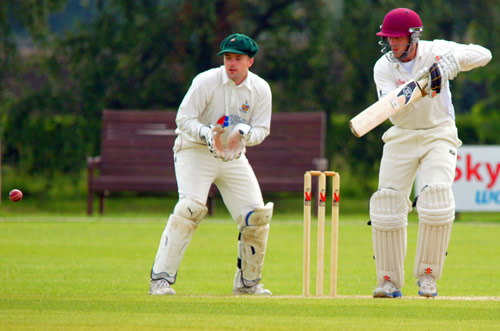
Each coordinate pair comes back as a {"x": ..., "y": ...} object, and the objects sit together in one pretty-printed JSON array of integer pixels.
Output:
[
  {"x": 431, "y": 152},
  {"x": 196, "y": 169}
]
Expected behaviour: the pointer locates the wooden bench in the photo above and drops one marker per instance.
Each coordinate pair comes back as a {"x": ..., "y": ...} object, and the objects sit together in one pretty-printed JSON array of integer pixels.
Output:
[{"x": 136, "y": 154}]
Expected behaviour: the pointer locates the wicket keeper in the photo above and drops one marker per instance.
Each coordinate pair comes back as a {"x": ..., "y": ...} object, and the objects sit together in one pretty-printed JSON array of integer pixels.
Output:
[
  {"x": 423, "y": 138},
  {"x": 225, "y": 110}
]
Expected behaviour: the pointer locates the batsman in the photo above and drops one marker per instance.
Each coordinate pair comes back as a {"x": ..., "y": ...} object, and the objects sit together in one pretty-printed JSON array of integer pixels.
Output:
[
  {"x": 423, "y": 139},
  {"x": 225, "y": 110}
]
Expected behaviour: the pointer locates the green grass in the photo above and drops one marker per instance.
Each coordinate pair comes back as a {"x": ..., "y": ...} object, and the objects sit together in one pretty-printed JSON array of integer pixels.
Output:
[
  {"x": 287, "y": 206},
  {"x": 77, "y": 272}
]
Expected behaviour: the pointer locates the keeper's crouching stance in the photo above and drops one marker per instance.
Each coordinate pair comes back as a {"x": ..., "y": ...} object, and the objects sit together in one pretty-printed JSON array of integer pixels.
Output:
[
  {"x": 252, "y": 243},
  {"x": 226, "y": 110}
]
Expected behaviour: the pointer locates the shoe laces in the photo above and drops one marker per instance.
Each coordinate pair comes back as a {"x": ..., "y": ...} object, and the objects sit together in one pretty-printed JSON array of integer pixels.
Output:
[
  {"x": 389, "y": 286},
  {"x": 427, "y": 281},
  {"x": 159, "y": 283},
  {"x": 254, "y": 288}
]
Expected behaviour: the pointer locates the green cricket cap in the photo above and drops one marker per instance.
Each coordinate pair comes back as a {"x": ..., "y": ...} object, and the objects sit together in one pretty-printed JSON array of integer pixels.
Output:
[{"x": 240, "y": 44}]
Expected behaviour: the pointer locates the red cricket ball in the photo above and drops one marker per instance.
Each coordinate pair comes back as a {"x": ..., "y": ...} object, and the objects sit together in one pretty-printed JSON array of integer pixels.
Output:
[{"x": 16, "y": 195}]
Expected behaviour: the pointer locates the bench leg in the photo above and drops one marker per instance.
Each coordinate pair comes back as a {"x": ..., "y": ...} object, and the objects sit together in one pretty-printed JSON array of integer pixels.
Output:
[
  {"x": 90, "y": 202},
  {"x": 211, "y": 205},
  {"x": 101, "y": 203}
]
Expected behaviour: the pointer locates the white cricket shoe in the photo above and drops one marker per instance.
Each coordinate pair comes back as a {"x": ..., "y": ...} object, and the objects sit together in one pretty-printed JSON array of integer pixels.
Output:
[
  {"x": 256, "y": 290},
  {"x": 160, "y": 287},
  {"x": 428, "y": 287},
  {"x": 388, "y": 290}
]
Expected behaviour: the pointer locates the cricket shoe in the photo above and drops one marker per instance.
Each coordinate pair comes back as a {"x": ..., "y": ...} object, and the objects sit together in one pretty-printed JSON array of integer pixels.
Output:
[
  {"x": 387, "y": 290},
  {"x": 428, "y": 287},
  {"x": 257, "y": 289},
  {"x": 160, "y": 287}
]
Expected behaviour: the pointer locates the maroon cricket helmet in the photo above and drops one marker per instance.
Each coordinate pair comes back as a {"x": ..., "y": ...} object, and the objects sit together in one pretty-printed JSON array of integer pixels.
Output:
[{"x": 400, "y": 22}]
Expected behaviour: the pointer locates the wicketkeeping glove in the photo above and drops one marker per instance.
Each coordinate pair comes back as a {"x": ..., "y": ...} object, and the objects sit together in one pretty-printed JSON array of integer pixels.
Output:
[
  {"x": 236, "y": 141},
  {"x": 212, "y": 135}
]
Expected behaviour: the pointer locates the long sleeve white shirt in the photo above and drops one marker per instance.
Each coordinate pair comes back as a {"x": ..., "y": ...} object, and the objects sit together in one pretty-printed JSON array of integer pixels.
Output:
[
  {"x": 427, "y": 112},
  {"x": 214, "y": 98}
]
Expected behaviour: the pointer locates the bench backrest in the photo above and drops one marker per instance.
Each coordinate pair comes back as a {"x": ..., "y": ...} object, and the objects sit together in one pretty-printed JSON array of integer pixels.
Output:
[
  {"x": 296, "y": 144},
  {"x": 137, "y": 143}
]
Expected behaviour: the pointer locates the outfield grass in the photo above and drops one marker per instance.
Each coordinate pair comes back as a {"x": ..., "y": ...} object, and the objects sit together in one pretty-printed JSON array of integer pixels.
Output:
[{"x": 67, "y": 272}]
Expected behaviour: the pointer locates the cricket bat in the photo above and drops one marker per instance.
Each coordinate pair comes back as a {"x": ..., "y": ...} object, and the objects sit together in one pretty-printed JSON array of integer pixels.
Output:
[{"x": 390, "y": 104}]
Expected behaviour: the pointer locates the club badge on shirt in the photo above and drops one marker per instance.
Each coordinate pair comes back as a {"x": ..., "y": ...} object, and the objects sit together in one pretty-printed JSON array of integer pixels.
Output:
[{"x": 245, "y": 107}]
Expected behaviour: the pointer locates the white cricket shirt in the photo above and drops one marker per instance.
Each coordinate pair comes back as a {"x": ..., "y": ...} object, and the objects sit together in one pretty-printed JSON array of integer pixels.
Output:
[
  {"x": 427, "y": 112},
  {"x": 214, "y": 98}
]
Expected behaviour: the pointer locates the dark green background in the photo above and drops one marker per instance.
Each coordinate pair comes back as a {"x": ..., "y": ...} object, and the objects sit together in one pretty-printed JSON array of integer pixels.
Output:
[{"x": 63, "y": 62}]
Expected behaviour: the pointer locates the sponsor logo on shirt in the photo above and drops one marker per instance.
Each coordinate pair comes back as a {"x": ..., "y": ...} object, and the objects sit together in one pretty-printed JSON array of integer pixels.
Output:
[
  {"x": 223, "y": 121},
  {"x": 230, "y": 119}
]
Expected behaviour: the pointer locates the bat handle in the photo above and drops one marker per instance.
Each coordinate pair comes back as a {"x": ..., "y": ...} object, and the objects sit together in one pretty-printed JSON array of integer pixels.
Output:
[{"x": 422, "y": 84}]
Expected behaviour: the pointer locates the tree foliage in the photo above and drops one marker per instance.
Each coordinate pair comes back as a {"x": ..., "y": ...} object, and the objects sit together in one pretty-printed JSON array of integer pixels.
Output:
[{"x": 143, "y": 54}]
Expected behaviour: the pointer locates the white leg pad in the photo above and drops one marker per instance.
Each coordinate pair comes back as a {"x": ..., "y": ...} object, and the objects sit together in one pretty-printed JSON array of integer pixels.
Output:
[
  {"x": 173, "y": 244},
  {"x": 260, "y": 216},
  {"x": 389, "y": 219},
  {"x": 190, "y": 209},
  {"x": 436, "y": 212},
  {"x": 252, "y": 243}
]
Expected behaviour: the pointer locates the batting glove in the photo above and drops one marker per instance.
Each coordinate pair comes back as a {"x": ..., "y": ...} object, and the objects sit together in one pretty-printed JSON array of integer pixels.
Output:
[
  {"x": 448, "y": 65},
  {"x": 433, "y": 75}
]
